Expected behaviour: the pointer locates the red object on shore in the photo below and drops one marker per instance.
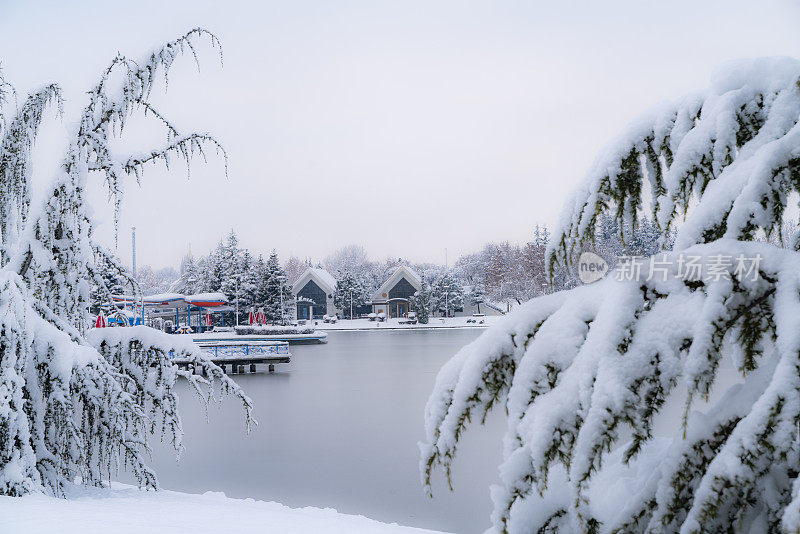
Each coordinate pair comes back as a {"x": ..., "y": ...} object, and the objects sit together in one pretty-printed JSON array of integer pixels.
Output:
[
  {"x": 209, "y": 322},
  {"x": 101, "y": 321},
  {"x": 261, "y": 317},
  {"x": 251, "y": 319}
]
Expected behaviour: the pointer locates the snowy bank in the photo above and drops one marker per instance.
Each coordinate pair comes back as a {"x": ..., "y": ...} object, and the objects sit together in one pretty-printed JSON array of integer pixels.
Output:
[
  {"x": 396, "y": 324},
  {"x": 127, "y": 510}
]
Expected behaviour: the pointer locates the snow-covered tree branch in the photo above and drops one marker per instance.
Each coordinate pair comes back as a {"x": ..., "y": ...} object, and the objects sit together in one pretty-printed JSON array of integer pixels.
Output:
[
  {"x": 75, "y": 403},
  {"x": 579, "y": 370}
]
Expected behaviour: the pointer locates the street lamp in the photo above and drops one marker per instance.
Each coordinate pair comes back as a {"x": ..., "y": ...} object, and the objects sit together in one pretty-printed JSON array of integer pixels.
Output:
[
  {"x": 281, "y": 281},
  {"x": 236, "y": 313}
]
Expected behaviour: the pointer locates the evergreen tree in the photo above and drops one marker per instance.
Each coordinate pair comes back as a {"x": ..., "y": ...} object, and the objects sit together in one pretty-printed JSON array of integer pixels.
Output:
[
  {"x": 422, "y": 302},
  {"x": 153, "y": 281},
  {"x": 477, "y": 295},
  {"x": 248, "y": 285},
  {"x": 230, "y": 266},
  {"x": 614, "y": 239},
  {"x": 277, "y": 301},
  {"x": 261, "y": 276},
  {"x": 578, "y": 370},
  {"x": 77, "y": 402},
  {"x": 350, "y": 293},
  {"x": 448, "y": 293},
  {"x": 203, "y": 284},
  {"x": 541, "y": 236},
  {"x": 190, "y": 281},
  {"x": 215, "y": 271},
  {"x": 114, "y": 282}
]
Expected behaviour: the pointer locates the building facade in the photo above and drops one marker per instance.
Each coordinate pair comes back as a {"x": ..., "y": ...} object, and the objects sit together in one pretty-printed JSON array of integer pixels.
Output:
[
  {"x": 393, "y": 297},
  {"x": 313, "y": 293}
]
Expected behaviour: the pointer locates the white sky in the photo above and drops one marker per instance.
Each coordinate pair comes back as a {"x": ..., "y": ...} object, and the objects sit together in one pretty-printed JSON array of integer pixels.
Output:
[{"x": 407, "y": 127}]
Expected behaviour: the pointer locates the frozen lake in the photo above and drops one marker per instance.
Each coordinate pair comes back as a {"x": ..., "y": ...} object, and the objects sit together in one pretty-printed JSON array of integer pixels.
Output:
[{"x": 338, "y": 427}]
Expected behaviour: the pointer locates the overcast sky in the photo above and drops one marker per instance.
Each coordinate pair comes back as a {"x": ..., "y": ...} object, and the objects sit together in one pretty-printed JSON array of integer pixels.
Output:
[{"x": 407, "y": 127}]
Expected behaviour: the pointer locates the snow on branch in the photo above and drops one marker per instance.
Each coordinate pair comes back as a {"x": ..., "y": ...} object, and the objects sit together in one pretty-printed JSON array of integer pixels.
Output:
[
  {"x": 584, "y": 373},
  {"x": 110, "y": 106},
  {"x": 141, "y": 353},
  {"x": 724, "y": 159},
  {"x": 74, "y": 404},
  {"x": 184, "y": 147},
  {"x": 15, "y": 165}
]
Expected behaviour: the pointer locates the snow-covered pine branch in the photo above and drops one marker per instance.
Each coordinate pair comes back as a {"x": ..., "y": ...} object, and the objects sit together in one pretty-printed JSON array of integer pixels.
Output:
[
  {"x": 577, "y": 370},
  {"x": 74, "y": 404},
  {"x": 723, "y": 159},
  {"x": 110, "y": 107},
  {"x": 15, "y": 164}
]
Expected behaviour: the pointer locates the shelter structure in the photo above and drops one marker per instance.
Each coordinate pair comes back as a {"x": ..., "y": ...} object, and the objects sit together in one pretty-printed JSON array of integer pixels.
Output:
[
  {"x": 313, "y": 293},
  {"x": 188, "y": 310},
  {"x": 392, "y": 298}
]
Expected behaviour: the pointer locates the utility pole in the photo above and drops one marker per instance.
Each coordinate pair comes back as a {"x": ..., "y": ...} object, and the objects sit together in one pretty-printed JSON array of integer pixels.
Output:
[
  {"x": 447, "y": 291},
  {"x": 133, "y": 268},
  {"x": 133, "y": 250},
  {"x": 283, "y": 314}
]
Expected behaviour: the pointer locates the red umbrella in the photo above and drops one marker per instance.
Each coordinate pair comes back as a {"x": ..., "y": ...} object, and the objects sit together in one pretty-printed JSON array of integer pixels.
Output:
[
  {"x": 251, "y": 320},
  {"x": 261, "y": 317},
  {"x": 209, "y": 322},
  {"x": 101, "y": 321}
]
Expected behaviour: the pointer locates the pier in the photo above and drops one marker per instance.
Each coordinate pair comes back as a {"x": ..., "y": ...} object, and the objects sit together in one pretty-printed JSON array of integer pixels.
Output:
[{"x": 239, "y": 356}]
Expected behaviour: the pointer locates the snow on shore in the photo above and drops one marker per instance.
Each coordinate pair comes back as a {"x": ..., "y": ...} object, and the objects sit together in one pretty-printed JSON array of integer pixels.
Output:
[
  {"x": 125, "y": 509},
  {"x": 394, "y": 324}
]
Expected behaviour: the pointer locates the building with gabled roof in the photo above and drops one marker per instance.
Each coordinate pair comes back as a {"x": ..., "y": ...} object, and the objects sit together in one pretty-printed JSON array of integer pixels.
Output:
[
  {"x": 393, "y": 297},
  {"x": 313, "y": 293}
]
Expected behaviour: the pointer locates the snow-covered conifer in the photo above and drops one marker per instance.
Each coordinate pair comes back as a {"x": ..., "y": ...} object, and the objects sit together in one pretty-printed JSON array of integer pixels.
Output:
[
  {"x": 189, "y": 278},
  {"x": 350, "y": 293},
  {"x": 477, "y": 295},
  {"x": 277, "y": 301},
  {"x": 578, "y": 370},
  {"x": 448, "y": 294},
  {"x": 109, "y": 268},
  {"x": 72, "y": 403},
  {"x": 229, "y": 265},
  {"x": 422, "y": 302},
  {"x": 215, "y": 272},
  {"x": 261, "y": 276},
  {"x": 248, "y": 285},
  {"x": 152, "y": 281}
]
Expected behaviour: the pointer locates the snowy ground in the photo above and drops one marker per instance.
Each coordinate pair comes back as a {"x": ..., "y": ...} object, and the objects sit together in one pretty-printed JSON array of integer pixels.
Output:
[
  {"x": 127, "y": 510},
  {"x": 394, "y": 324}
]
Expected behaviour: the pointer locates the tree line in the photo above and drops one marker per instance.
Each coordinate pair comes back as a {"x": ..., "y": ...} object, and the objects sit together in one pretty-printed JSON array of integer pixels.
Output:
[
  {"x": 499, "y": 276},
  {"x": 250, "y": 282}
]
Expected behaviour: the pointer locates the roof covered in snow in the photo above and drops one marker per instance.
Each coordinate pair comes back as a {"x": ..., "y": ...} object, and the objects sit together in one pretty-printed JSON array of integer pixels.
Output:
[
  {"x": 207, "y": 300},
  {"x": 175, "y": 300},
  {"x": 326, "y": 276},
  {"x": 164, "y": 297},
  {"x": 320, "y": 276},
  {"x": 402, "y": 271}
]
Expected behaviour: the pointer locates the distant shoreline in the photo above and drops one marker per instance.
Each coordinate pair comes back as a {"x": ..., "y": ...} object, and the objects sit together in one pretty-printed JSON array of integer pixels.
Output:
[
  {"x": 410, "y": 327},
  {"x": 364, "y": 325}
]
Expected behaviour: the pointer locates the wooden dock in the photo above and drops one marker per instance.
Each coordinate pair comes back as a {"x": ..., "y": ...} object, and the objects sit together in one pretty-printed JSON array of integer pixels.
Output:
[
  {"x": 240, "y": 356},
  {"x": 292, "y": 339}
]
